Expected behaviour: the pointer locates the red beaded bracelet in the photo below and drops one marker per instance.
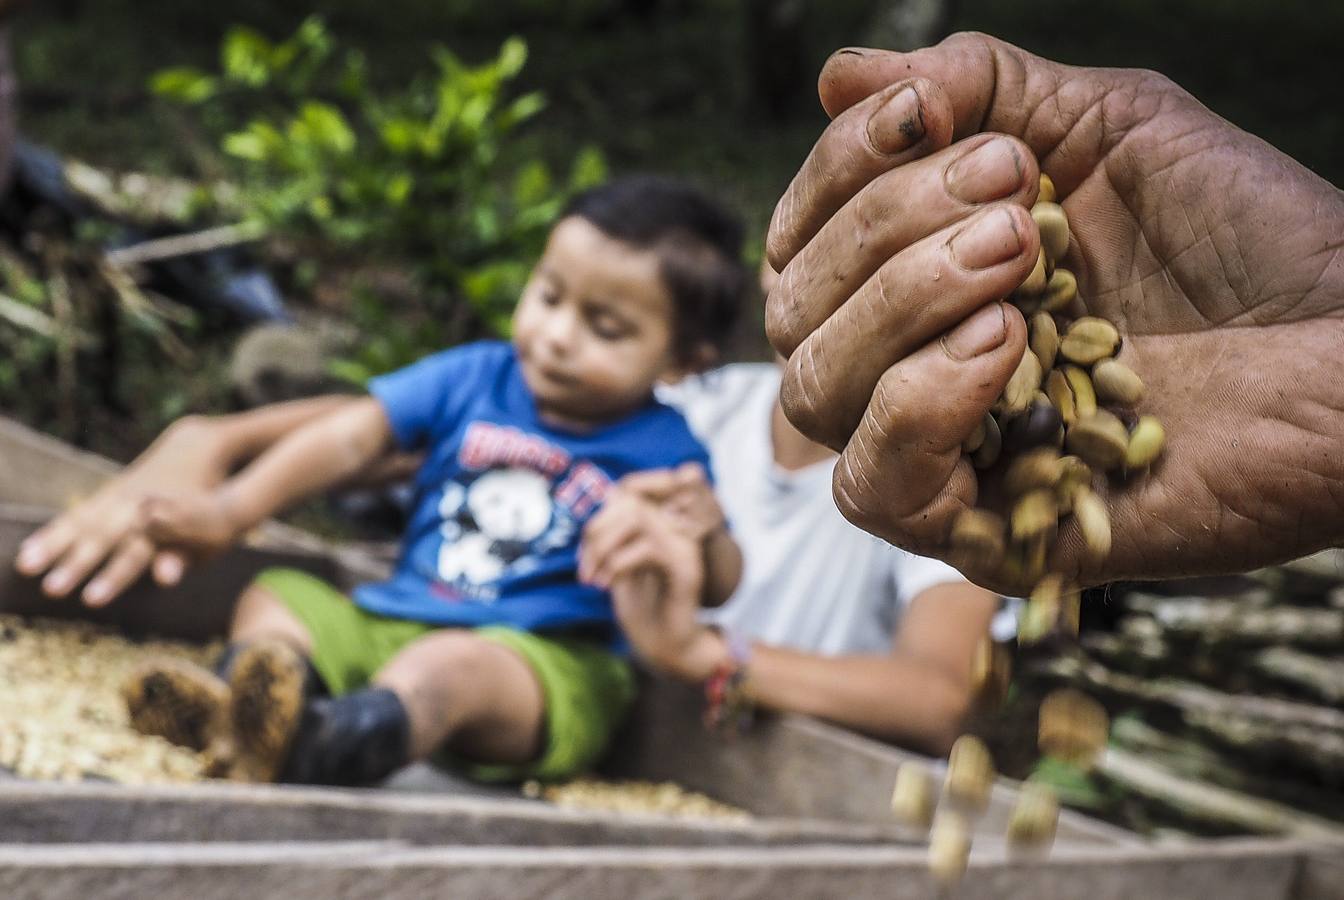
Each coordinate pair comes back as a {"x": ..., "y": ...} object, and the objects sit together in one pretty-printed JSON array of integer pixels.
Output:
[{"x": 726, "y": 699}]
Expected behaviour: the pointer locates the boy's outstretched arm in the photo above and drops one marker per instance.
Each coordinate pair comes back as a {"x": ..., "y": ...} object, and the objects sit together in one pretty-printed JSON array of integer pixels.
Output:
[{"x": 323, "y": 453}]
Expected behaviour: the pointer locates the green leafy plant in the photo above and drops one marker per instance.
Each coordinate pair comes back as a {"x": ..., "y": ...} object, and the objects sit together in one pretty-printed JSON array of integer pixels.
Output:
[{"x": 428, "y": 177}]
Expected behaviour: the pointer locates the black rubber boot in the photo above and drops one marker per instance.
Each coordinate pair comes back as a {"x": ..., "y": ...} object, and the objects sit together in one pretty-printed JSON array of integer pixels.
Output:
[{"x": 355, "y": 740}]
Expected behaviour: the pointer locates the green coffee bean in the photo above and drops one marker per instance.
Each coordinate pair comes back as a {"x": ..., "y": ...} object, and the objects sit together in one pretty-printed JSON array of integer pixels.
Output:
[
  {"x": 949, "y": 849},
  {"x": 1036, "y": 281},
  {"x": 974, "y": 439},
  {"x": 1094, "y": 521},
  {"x": 1145, "y": 444},
  {"x": 1073, "y": 727},
  {"x": 1026, "y": 378},
  {"x": 1054, "y": 227},
  {"x": 1047, "y": 191},
  {"x": 1039, "y": 425},
  {"x": 912, "y": 798},
  {"x": 1084, "y": 396},
  {"x": 1035, "y": 816},
  {"x": 1116, "y": 383},
  {"x": 1060, "y": 292},
  {"x": 970, "y": 773},
  {"x": 1089, "y": 340},
  {"x": 1074, "y": 475},
  {"x": 978, "y": 535},
  {"x": 1100, "y": 439},
  {"x": 1034, "y": 470},
  {"x": 1044, "y": 340},
  {"x": 988, "y": 452},
  {"x": 1035, "y": 516},
  {"x": 1059, "y": 393}
]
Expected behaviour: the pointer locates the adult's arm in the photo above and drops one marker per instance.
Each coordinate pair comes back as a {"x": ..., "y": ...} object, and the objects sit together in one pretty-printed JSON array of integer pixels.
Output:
[
  {"x": 916, "y": 695},
  {"x": 1218, "y": 257},
  {"x": 105, "y": 532}
]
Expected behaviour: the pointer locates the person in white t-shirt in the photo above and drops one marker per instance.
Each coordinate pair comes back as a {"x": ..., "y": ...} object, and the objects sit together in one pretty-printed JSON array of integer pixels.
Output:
[{"x": 827, "y": 620}]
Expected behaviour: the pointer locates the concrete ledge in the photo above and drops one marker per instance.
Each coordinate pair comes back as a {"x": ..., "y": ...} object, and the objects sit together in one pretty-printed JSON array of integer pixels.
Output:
[
  {"x": 87, "y": 814},
  {"x": 1235, "y": 870}
]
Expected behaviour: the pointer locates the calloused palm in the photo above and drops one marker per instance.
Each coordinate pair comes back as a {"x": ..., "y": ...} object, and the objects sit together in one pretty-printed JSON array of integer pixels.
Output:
[{"x": 1218, "y": 257}]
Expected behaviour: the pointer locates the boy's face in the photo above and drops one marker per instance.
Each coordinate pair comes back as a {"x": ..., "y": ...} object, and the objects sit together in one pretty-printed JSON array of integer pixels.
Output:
[{"x": 594, "y": 327}]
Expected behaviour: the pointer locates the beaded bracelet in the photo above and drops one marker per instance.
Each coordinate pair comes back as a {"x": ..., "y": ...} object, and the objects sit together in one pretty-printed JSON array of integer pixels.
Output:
[{"x": 726, "y": 699}]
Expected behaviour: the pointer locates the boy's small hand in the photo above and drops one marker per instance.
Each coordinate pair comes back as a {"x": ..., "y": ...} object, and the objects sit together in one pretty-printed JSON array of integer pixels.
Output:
[
  {"x": 625, "y": 536},
  {"x": 683, "y": 491}
]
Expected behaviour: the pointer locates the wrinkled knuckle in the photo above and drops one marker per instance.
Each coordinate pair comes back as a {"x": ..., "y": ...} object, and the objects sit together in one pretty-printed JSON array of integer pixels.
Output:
[
  {"x": 851, "y": 489},
  {"x": 1152, "y": 80},
  {"x": 777, "y": 242},
  {"x": 782, "y": 325},
  {"x": 888, "y": 409},
  {"x": 977, "y": 40},
  {"x": 801, "y": 396},
  {"x": 872, "y": 207}
]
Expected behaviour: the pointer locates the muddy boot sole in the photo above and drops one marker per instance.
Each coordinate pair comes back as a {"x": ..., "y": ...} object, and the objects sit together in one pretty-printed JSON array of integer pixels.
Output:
[
  {"x": 267, "y": 695},
  {"x": 179, "y": 702}
]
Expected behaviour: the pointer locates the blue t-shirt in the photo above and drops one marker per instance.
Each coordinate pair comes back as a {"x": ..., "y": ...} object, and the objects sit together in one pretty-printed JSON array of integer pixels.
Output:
[{"x": 502, "y": 497}]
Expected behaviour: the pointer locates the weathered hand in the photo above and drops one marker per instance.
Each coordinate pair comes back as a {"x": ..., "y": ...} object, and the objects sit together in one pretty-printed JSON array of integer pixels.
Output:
[
  {"x": 198, "y": 523},
  {"x": 1217, "y": 257},
  {"x": 107, "y": 529}
]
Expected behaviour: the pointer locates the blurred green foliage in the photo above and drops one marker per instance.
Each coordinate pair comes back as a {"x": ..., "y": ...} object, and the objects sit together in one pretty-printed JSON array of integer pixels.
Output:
[{"x": 425, "y": 176}]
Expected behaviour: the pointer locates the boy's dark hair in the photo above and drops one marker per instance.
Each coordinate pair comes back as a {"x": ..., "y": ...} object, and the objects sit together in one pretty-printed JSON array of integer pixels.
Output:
[{"x": 699, "y": 245}]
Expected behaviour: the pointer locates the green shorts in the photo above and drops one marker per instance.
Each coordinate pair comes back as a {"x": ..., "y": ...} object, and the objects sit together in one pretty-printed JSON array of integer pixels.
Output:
[{"x": 587, "y": 689}]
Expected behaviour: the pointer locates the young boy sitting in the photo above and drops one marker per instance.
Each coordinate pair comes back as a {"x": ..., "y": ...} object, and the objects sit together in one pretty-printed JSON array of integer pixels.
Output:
[{"x": 484, "y": 642}]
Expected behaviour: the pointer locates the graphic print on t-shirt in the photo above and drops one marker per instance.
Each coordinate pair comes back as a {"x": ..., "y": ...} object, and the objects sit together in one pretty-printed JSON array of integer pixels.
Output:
[{"x": 507, "y": 508}]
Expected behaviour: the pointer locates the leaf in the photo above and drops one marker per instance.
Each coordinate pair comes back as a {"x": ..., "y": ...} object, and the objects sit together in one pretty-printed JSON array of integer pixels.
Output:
[
  {"x": 589, "y": 169},
  {"x": 522, "y": 109},
  {"x": 512, "y": 58},
  {"x": 326, "y": 127},
  {"x": 531, "y": 184},
  {"x": 401, "y": 135},
  {"x": 245, "y": 56},
  {"x": 352, "y": 82},
  {"x": 399, "y": 188},
  {"x": 320, "y": 208},
  {"x": 485, "y": 221},
  {"x": 474, "y": 113},
  {"x": 245, "y": 145},
  {"x": 183, "y": 84}
]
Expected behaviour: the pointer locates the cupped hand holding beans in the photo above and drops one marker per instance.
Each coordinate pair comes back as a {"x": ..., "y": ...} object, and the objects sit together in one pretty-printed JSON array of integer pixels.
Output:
[{"x": 1217, "y": 258}]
